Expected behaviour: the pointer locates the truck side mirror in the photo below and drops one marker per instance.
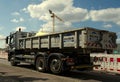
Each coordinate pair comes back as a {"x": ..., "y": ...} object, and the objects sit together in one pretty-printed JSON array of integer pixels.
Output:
[{"x": 7, "y": 40}]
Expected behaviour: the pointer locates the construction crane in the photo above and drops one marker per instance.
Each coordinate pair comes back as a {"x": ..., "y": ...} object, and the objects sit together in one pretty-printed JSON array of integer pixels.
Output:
[{"x": 53, "y": 15}]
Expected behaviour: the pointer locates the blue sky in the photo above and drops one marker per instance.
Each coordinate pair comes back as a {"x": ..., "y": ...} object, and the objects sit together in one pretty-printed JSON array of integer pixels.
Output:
[{"x": 33, "y": 15}]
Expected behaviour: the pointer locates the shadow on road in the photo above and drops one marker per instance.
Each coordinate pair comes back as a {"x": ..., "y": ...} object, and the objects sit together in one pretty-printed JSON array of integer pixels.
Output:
[
  {"x": 18, "y": 78},
  {"x": 26, "y": 66},
  {"x": 97, "y": 76},
  {"x": 85, "y": 76}
]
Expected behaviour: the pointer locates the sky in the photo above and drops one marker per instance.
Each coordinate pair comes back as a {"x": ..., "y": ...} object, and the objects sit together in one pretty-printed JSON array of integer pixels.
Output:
[{"x": 33, "y": 15}]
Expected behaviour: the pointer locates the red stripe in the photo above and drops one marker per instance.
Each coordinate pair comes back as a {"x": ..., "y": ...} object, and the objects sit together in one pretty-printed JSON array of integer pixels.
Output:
[
  {"x": 118, "y": 59},
  {"x": 111, "y": 69},
  {"x": 111, "y": 59},
  {"x": 92, "y": 44},
  {"x": 95, "y": 45},
  {"x": 88, "y": 44},
  {"x": 96, "y": 67},
  {"x": 118, "y": 70},
  {"x": 111, "y": 45}
]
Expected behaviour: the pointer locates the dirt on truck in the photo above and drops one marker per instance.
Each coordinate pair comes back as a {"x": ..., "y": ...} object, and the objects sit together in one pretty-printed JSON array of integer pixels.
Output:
[{"x": 59, "y": 52}]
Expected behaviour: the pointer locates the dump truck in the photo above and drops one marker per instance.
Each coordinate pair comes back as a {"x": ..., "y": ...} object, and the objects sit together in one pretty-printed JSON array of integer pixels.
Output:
[{"x": 59, "y": 52}]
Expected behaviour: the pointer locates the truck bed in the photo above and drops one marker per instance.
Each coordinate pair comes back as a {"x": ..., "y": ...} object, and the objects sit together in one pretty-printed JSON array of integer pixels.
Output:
[{"x": 85, "y": 38}]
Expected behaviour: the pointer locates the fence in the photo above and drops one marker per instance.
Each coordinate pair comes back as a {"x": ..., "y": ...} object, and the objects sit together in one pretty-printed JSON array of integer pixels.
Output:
[{"x": 107, "y": 62}]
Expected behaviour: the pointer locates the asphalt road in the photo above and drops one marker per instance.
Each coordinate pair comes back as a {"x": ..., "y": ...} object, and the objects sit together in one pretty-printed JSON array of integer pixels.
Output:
[{"x": 26, "y": 73}]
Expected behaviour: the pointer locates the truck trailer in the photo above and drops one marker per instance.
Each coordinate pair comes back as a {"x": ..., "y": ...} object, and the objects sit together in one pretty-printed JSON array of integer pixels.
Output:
[{"x": 59, "y": 52}]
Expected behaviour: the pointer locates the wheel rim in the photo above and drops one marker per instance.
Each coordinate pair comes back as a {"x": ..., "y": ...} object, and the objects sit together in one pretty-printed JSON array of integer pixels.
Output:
[
  {"x": 12, "y": 58},
  {"x": 12, "y": 61},
  {"x": 40, "y": 65},
  {"x": 55, "y": 65}
]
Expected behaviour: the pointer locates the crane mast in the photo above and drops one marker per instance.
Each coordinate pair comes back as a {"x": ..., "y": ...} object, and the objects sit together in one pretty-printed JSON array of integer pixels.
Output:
[{"x": 53, "y": 16}]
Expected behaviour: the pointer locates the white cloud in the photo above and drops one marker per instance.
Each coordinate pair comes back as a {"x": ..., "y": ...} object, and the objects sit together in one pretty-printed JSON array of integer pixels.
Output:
[
  {"x": 64, "y": 10},
  {"x": 24, "y": 10},
  {"x": 17, "y": 20},
  {"x": 118, "y": 22},
  {"x": 75, "y": 14},
  {"x": 118, "y": 40},
  {"x": 107, "y": 26},
  {"x": 58, "y": 27},
  {"x": 20, "y": 27},
  {"x": 16, "y": 13},
  {"x": 70, "y": 14},
  {"x": 106, "y": 15},
  {"x": 21, "y": 19},
  {"x": 14, "y": 20},
  {"x": 118, "y": 37}
]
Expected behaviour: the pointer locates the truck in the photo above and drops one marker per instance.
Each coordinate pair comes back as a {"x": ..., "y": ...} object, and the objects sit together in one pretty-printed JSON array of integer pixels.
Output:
[{"x": 61, "y": 51}]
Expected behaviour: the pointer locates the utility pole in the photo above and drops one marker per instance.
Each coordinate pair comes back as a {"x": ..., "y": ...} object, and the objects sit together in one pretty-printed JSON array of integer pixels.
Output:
[{"x": 53, "y": 15}]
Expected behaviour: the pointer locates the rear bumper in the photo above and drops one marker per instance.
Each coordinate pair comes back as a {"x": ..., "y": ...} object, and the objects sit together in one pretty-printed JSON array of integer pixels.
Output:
[{"x": 84, "y": 66}]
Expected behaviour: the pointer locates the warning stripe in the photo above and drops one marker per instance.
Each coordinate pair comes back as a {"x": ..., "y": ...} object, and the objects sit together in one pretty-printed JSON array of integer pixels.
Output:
[
  {"x": 111, "y": 59},
  {"x": 111, "y": 69},
  {"x": 118, "y": 70},
  {"x": 109, "y": 45},
  {"x": 92, "y": 44},
  {"x": 118, "y": 59}
]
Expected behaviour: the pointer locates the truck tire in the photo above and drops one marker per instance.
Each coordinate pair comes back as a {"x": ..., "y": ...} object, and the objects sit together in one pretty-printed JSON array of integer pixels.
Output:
[
  {"x": 40, "y": 64},
  {"x": 12, "y": 61},
  {"x": 56, "y": 65}
]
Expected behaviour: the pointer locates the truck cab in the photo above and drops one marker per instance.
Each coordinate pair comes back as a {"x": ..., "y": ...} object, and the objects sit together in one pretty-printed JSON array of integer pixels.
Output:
[{"x": 12, "y": 41}]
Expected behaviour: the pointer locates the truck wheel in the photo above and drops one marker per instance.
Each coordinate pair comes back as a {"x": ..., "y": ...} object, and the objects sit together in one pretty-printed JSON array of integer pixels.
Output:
[
  {"x": 12, "y": 61},
  {"x": 56, "y": 66},
  {"x": 40, "y": 64}
]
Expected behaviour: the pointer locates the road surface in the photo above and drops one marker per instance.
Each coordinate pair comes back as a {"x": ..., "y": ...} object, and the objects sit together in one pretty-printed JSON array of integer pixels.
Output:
[{"x": 26, "y": 73}]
